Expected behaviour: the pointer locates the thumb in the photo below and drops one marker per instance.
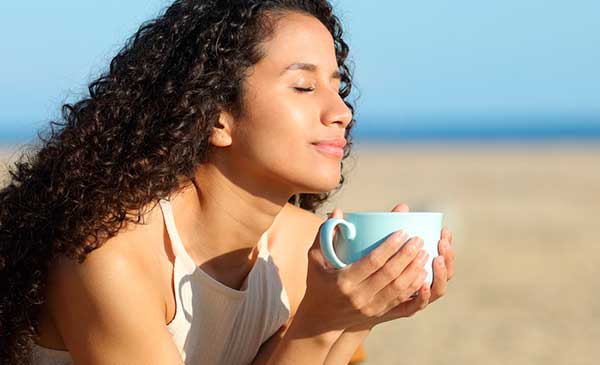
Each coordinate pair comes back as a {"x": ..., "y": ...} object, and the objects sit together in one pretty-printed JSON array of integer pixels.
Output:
[
  {"x": 337, "y": 213},
  {"x": 403, "y": 208}
]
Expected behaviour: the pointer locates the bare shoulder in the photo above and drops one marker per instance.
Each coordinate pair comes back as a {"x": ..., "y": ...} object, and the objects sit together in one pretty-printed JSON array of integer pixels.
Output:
[
  {"x": 304, "y": 216},
  {"x": 100, "y": 269},
  {"x": 107, "y": 300},
  {"x": 297, "y": 222},
  {"x": 121, "y": 262},
  {"x": 107, "y": 274}
]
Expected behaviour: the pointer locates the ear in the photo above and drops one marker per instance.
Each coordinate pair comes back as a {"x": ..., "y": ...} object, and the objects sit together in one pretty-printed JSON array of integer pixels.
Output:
[{"x": 221, "y": 133}]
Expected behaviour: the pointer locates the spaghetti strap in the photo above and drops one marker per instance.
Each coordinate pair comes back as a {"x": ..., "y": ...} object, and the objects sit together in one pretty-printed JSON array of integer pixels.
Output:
[{"x": 176, "y": 242}]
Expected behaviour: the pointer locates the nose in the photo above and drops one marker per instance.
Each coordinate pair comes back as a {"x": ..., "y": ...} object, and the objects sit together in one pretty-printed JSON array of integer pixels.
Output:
[{"x": 337, "y": 111}]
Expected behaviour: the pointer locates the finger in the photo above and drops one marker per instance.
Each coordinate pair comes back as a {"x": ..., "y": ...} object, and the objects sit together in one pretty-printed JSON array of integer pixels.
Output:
[
  {"x": 412, "y": 290},
  {"x": 419, "y": 283},
  {"x": 446, "y": 250},
  {"x": 446, "y": 234},
  {"x": 395, "y": 281},
  {"x": 424, "y": 297},
  {"x": 400, "y": 289},
  {"x": 361, "y": 269},
  {"x": 440, "y": 280},
  {"x": 410, "y": 307},
  {"x": 400, "y": 208},
  {"x": 337, "y": 213}
]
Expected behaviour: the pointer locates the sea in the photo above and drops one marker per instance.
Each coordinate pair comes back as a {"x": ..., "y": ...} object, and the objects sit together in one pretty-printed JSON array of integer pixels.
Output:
[{"x": 446, "y": 129}]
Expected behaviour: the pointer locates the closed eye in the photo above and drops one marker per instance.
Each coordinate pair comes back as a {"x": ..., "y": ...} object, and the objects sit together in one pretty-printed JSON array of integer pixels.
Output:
[{"x": 304, "y": 90}]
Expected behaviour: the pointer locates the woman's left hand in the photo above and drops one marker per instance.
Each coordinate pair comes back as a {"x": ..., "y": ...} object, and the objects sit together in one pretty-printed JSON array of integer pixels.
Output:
[{"x": 443, "y": 271}]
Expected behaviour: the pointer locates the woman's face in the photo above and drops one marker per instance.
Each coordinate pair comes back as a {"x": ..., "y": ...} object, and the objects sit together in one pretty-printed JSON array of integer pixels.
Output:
[{"x": 293, "y": 116}]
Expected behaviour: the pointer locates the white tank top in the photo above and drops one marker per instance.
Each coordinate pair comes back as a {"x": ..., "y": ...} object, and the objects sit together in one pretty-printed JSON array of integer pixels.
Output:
[{"x": 213, "y": 324}]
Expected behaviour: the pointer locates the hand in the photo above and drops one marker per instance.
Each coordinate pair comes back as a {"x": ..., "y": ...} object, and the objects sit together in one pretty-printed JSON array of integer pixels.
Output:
[
  {"x": 366, "y": 289},
  {"x": 443, "y": 271}
]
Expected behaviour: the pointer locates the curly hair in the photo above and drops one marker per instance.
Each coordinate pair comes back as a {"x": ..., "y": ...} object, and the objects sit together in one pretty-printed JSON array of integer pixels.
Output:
[{"x": 137, "y": 137}]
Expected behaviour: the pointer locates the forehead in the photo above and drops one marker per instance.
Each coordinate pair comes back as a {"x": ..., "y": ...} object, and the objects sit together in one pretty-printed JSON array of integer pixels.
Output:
[{"x": 299, "y": 38}]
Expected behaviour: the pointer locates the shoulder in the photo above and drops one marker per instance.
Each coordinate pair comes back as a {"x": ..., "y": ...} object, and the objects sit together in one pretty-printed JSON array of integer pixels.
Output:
[
  {"x": 127, "y": 255},
  {"x": 301, "y": 218},
  {"x": 109, "y": 297},
  {"x": 296, "y": 224},
  {"x": 107, "y": 273},
  {"x": 125, "y": 268},
  {"x": 131, "y": 260}
]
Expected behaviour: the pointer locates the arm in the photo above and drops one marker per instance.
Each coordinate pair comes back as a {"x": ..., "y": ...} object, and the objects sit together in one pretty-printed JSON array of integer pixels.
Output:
[
  {"x": 345, "y": 346},
  {"x": 293, "y": 344},
  {"x": 294, "y": 348},
  {"x": 300, "y": 345},
  {"x": 108, "y": 313}
]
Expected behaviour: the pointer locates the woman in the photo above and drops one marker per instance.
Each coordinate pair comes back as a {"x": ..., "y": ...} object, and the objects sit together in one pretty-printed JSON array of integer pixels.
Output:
[{"x": 156, "y": 226}]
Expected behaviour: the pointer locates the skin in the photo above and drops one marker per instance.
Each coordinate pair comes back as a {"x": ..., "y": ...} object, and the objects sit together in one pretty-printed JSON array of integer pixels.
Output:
[{"x": 256, "y": 164}]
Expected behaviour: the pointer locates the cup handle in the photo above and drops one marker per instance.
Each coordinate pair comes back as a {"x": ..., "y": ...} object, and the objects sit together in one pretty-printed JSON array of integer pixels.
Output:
[{"x": 326, "y": 237}]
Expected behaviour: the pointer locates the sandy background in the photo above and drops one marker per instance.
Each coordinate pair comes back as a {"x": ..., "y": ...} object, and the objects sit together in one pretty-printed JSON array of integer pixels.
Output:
[{"x": 526, "y": 224}]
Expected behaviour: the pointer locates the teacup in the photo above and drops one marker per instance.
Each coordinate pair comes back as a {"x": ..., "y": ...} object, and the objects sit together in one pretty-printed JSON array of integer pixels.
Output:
[{"x": 361, "y": 232}]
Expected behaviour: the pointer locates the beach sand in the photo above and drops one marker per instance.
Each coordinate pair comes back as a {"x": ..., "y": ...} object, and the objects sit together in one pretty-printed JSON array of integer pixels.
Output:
[{"x": 526, "y": 225}]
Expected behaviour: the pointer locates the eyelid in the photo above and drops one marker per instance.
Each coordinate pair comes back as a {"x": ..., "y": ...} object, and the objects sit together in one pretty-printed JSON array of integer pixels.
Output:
[
  {"x": 304, "y": 89},
  {"x": 309, "y": 88}
]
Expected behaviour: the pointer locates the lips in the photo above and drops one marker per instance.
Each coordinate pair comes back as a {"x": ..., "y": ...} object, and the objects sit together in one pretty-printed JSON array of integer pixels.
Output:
[
  {"x": 335, "y": 142},
  {"x": 332, "y": 147}
]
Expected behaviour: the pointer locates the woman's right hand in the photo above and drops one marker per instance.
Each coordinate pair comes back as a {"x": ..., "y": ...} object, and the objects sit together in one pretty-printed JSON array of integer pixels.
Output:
[{"x": 336, "y": 299}]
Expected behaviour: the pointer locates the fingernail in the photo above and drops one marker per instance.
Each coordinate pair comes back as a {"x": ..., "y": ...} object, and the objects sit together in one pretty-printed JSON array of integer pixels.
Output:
[
  {"x": 401, "y": 235},
  {"x": 413, "y": 244}
]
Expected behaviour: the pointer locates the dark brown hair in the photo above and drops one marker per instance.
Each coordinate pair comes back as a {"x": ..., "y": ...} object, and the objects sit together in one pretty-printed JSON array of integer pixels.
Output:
[{"x": 141, "y": 133}]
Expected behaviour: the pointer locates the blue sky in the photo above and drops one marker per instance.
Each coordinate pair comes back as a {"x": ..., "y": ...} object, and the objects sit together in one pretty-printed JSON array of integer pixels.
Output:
[{"x": 436, "y": 60}]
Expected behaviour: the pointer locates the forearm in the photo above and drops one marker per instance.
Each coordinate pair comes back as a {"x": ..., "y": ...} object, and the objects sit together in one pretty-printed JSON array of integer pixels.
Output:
[
  {"x": 297, "y": 345},
  {"x": 345, "y": 346}
]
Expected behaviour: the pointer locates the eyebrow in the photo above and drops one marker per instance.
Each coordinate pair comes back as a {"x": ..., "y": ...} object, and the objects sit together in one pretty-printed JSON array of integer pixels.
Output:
[{"x": 310, "y": 68}]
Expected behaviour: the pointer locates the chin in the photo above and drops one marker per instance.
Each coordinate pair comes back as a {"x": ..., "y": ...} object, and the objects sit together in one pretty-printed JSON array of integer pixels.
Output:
[{"x": 322, "y": 183}]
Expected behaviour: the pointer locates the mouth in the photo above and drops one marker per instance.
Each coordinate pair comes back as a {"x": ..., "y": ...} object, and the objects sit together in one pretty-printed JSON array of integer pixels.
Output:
[{"x": 329, "y": 149}]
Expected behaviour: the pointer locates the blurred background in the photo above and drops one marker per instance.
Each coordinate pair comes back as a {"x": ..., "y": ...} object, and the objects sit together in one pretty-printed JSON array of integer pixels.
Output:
[{"x": 486, "y": 111}]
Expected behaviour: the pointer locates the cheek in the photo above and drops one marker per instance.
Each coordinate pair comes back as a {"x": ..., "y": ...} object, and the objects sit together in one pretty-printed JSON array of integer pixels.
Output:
[
  {"x": 299, "y": 165},
  {"x": 279, "y": 148},
  {"x": 276, "y": 133},
  {"x": 287, "y": 157},
  {"x": 277, "y": 143},
  {"x": 266, "y": 141}
]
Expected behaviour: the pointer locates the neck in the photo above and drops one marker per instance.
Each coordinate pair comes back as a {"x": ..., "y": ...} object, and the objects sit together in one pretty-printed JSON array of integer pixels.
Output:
[{"x": 223, "y": 215}]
